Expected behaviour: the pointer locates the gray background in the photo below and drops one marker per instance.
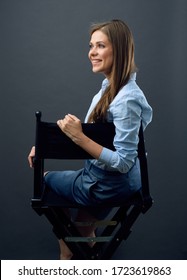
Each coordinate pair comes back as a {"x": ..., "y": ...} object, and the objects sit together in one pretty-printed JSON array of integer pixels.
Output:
[{"x": 44, "y": 66}]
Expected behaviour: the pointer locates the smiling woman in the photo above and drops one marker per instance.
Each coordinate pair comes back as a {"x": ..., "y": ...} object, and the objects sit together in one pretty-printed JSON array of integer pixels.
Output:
[{"x": 120, "y": 101}]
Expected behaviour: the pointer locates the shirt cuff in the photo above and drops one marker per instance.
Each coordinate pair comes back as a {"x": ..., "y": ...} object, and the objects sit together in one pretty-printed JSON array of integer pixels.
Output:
[{"x": 106, "y": 156}]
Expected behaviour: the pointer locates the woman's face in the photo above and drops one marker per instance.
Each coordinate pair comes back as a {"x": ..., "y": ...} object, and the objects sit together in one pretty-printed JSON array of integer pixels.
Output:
[{"x": 101, "y": 53}]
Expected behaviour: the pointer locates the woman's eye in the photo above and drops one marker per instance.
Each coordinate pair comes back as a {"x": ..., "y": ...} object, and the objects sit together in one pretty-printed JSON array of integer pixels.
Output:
[{"x": 101, "y": 46}]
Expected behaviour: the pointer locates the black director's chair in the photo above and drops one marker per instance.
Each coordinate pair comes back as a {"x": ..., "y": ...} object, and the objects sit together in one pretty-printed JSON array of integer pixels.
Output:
[{"x": 51, "y": 143}]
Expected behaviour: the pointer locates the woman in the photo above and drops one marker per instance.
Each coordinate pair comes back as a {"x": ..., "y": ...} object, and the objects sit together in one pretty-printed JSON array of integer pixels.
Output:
[{"x": 112, "y": 175}]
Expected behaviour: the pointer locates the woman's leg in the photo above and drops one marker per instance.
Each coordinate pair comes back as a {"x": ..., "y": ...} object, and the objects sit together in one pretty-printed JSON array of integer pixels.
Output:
[
  {"x": 53, "y": 181},
  {"x": 86, "y": 231},
  {"x": 65, "y": 252}
]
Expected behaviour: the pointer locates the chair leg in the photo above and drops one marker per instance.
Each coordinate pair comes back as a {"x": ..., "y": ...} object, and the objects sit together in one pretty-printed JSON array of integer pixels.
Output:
[
  {"x": 66, "y": 230},
  {"x": 122, "y": 233},
  {"x": 63, "y": 227}
]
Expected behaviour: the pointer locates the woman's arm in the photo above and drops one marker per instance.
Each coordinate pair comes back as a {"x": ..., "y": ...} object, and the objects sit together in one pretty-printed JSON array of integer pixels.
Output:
[{"x": 72, "y": 127}]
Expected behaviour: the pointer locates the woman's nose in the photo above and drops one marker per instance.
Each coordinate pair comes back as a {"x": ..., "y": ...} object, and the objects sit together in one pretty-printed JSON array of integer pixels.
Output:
[{"x": 93, "y": 51}]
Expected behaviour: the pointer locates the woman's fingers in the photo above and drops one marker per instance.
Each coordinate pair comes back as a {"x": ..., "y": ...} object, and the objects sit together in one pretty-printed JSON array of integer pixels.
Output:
[
  {"x": 68, "y": 119},
  {"x": 31, "y": 156},
  {"x": 72, "y": 117},
  {"x": 70, "y": 125}
]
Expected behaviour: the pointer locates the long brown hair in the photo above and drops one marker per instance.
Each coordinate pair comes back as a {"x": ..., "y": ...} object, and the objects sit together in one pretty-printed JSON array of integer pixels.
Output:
[{"x": 122, "y": 42}]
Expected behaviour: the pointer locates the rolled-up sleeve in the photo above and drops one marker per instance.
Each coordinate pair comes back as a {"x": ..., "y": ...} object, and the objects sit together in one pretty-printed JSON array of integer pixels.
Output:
[{"x": 126, "y": 114}]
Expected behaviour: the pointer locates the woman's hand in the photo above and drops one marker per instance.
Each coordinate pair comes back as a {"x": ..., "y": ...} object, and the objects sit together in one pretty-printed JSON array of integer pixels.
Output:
[
  {"x": 31, "y": 156},
  {"x": 72, "y": 127}
]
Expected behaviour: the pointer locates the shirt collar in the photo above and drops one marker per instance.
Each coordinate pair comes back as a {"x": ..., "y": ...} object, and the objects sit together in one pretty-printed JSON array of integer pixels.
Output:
[
  {"x": 105, "y": 82},
  {"x": 133, "y": 76}
]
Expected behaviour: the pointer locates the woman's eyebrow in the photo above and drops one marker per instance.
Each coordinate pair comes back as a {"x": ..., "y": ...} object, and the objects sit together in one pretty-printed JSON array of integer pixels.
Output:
[{"x": 98, "y": 42}]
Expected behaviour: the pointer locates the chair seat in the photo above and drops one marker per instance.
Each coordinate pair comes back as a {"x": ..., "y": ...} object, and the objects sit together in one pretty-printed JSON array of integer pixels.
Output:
[{"x": 51, "y": 199}]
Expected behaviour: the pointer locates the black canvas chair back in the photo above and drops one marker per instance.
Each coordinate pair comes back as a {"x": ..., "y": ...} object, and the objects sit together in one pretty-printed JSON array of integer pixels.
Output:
[{"x": 51, "y": 143}]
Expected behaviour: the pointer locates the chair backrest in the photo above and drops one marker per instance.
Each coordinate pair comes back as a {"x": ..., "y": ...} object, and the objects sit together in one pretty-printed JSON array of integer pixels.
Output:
[{"x": 51, "y": 143}]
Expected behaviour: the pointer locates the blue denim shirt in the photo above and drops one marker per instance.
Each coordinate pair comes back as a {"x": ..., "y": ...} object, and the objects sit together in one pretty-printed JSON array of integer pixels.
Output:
[{"x": 126, "y": 111}]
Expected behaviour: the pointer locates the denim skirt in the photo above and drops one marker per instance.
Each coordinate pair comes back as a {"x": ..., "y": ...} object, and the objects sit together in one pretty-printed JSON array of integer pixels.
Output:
[{"x": 92, "y": 186}]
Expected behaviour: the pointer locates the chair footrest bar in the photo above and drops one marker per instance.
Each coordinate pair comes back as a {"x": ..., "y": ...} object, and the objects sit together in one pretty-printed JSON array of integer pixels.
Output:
[
  {"x": 96, "y": 223},
  {"x": 88, "y": 239}
]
